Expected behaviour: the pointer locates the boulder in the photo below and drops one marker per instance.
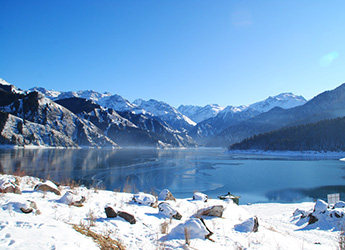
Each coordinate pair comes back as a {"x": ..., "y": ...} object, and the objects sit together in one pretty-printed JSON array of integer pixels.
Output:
[
  {"x": 26, "y": 210},
  {"x": 7, "y": 185},
  {"x": 249, "y": 225},
  {"x": 216, "y": 211},
  {"x": 320, "y": 206},
  {"x": 200, "y": 197},
  {"x": 47, "y": 186},
  {"x": 167, "y": 210},
  {"x": 312, "y": 219},
  {"x": 110, "y": 212},
  {"x": 145, "y": 199},
  {"x": 303, "y": 213},
  {"x": 72, "y": 199},
  {"x": 128, "y": 217},
  {"x": 339, "y": 204},
  {"x": 166, "y": 195},
  {"x": 195, "y": 228},
  {"x": 28, "y": 207}
]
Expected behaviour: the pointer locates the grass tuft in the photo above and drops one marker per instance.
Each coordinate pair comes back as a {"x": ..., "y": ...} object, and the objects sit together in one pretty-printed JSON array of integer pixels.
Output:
[{"x": 103, "y": 241}]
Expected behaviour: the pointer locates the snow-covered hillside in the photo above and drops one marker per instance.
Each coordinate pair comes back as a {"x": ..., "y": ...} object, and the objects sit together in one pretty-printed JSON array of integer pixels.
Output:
[
  {"x": 284, "y": 100},
  {"x": 198, "y": 113},
  {"x": 165, "y": 112},
  {"x": 41, "y": 215}
]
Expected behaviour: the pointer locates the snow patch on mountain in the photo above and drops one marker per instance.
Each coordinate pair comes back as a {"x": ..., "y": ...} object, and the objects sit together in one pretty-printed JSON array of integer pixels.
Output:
[
  {"x": 165, "y": 112},
  {"x": 198, "y": 113}
]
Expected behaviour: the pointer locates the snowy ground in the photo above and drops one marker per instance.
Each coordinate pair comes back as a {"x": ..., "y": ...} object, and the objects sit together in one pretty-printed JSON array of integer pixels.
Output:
[{"x": 49, "y": 226}]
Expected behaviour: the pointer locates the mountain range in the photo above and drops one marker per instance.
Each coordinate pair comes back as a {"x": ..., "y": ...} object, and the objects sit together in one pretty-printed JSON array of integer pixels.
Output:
[{"x": 90, "y": 118}]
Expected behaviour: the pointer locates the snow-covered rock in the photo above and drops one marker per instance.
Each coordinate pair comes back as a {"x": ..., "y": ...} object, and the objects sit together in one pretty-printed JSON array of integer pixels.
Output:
[
  {"x": 167, "y": 210},
  {"x": 70, "y": 198},
  {"x": 249, "y": 225},
  {"x": 145, "y": 199},
  {"x": 47, "y": 186},
  {"x": 193, "y": 227},
  {"x": 8, "y": 185},
  {"x": 165, "y": 195},
  {"x": 339, "y": 204},
  {"x": 320, "y": 206},
  {"x": 198, "y": 196}
]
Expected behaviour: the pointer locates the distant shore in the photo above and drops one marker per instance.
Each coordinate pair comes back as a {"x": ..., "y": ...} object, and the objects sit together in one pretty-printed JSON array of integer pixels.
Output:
[{"x": 301, "y": 154}]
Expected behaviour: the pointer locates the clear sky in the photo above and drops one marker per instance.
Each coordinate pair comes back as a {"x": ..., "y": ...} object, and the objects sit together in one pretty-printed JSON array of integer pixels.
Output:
[{"x": 229, "y": 52}]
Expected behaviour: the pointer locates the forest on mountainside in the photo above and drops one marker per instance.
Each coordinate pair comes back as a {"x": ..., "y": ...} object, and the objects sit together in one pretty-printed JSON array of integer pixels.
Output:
[{"x": 325, "y": 135}]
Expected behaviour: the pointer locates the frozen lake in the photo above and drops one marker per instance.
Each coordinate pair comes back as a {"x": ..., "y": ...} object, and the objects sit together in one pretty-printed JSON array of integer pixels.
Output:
[{"x": 183, "y": 171}]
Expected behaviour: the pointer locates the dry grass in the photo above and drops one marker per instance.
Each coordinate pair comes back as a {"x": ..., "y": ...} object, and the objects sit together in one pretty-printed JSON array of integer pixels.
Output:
[
  {"x": 103, "y": 241},
  {"x": 91, "y": 219},
  {"x": 164, "y": 227},
  {"x": 71, "y": 183},
  {"x": 19, "y": 173}
]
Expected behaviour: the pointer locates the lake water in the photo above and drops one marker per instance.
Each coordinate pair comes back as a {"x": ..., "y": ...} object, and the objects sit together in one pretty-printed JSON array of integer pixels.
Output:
[{"x": 254, "y": 178}]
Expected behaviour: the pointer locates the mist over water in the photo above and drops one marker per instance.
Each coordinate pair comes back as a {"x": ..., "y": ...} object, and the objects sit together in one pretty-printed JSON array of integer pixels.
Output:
[{"x": 183, "y": 171}]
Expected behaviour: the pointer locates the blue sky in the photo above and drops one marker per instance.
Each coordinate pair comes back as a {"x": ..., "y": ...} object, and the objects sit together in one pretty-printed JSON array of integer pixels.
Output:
[{"x": 182, "y": 52}]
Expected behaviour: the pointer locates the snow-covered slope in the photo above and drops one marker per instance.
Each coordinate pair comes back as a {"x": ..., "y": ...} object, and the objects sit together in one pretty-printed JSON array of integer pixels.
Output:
[
  {"x": 165, "y": 112},
  {"x": 107, "y": 100},
  {"x": 36, "y": 108},
  {"x": 53, "y": 220},
  {"x": 198, "y": 113},
  {"x": 16, "y": 131},
  {"x": 126, "y": 128},
  {"x": 284, "y": 100}
]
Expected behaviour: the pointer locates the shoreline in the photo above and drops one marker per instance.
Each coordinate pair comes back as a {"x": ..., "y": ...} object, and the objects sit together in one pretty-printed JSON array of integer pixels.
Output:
[{"x": 302, "y": 154}]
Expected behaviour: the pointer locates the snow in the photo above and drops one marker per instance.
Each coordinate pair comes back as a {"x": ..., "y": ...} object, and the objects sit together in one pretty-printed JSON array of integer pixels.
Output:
[
  {"x": 198, "y": 113},
  {"x": 50, "y": 225}
]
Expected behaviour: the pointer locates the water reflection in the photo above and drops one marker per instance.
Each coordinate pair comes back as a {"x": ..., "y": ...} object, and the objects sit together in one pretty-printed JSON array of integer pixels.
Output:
[{"x": 255, "y": 179}]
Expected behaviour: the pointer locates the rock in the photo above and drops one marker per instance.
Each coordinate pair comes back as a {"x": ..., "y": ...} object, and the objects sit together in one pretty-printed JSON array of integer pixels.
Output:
[
  {"x": 320, "y": 206},
  {"x": 167, "y": 210},
  {"x": 249, "y": 225},
  {"x": 145, "y": 199},
  {"x": 195, "y": 228},
  {"x": 72, "y": 199},
  {"x": 47, "y": 186},
  {"x": 303, "y": 213},
  {"x": 26, "y": 210},
  {"x": 339, "y": 204},
  {"x": 166, "y": 195},
  {"x": 32, "y": 204},
  {"x": 216, "y": 211},
  {"x": 7, "y": 185},
  {"x": 110, "y": 212},
  {"x": 28, "y": 207},
  {"x": 200, "y": 197},
  {"x": 312, "y": 219},
  {"x": 128, "y": 217}
]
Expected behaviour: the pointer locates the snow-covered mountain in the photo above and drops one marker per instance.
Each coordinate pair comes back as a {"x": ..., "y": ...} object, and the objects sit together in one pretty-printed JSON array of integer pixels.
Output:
[
  {"x": 126, "y": 128},
  {"x": 284, "y": 100},
  {"x": 159, "y": 110},
  {"x": 29, "y": 112},
  {"x": 198, "y": 113},
  {"x": 232, "y": 115},
  {"x": 106, "y": 99},
  {"x": 164, "y": 112}
]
